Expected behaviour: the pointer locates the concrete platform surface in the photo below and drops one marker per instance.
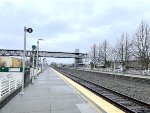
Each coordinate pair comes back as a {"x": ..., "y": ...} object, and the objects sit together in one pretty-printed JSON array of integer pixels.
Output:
[{"x": 49, "y": 94}]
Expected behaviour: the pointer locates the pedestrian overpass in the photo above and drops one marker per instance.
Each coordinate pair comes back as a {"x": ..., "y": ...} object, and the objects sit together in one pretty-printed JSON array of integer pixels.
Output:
[{"x": 76, "y": 55}]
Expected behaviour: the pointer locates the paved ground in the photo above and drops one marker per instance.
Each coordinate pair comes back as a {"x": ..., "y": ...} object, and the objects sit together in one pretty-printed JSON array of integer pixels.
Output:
[{"x": 49, "y": 94}]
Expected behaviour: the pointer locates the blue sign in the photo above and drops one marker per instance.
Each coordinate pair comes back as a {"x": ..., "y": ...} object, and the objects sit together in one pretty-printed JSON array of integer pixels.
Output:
[{"x": 33, "y": 47}]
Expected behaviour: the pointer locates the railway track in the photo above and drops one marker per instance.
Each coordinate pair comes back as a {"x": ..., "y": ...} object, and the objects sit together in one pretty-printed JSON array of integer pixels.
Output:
[{"x": 128, "y": 104}]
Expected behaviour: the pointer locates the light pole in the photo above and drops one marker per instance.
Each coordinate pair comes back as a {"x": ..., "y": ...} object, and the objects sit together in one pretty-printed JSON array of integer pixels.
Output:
[
  {"x": 43, "y": 64},
  {"x": 33, "y": 68},
  {"x": 33, "y": 52},
  {"x": 29, "y": 30},
  {"x": 37, "y": 56}
]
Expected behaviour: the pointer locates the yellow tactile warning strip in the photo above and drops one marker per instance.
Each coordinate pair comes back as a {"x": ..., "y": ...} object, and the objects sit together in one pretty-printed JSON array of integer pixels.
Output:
[{"x": 106, "y": 106}]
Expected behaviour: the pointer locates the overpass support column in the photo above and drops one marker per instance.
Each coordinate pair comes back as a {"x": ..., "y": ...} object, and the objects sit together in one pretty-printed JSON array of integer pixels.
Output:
[
  {"x": 76, "y": 63},
  {"x": 77, "y": 59}
]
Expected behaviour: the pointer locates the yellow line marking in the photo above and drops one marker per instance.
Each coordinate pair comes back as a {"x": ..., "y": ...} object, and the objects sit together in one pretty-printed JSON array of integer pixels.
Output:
[
  {"x": 79, "y": 94},
  {"x": 106, "y": 106},
  {"x": 82, "y": 97}
]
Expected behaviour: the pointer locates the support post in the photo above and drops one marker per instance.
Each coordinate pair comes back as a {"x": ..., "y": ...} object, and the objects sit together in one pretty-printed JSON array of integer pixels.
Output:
[
  {"x": 37, "y": 58},
  {"x": 76, "y": 59},
  {"x": 24, "y": 53},
  {"x": 33, "y": 68}
]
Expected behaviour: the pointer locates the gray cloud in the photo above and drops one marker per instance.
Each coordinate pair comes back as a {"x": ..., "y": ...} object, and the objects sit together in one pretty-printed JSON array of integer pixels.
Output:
[{"x": 67, "y": 25}]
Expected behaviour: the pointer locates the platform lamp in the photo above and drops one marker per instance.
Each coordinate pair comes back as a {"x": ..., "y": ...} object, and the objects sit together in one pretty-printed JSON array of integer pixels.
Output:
[
  {"x": 43, "y": 64},
  {"x": 33, "y": 61},
  {"x": 29, "y": 30},
  {"x": 37, "y": 55}
]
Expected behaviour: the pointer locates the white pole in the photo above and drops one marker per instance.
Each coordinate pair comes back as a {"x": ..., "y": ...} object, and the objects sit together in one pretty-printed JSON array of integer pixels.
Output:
[
  {"x": 43, "y": 65},
  {"x": 37, "y": 58},
  {"x": 40, "y": 63},
  {"x": 24, "y": 53},
  {"x": 33, "y": 68}
]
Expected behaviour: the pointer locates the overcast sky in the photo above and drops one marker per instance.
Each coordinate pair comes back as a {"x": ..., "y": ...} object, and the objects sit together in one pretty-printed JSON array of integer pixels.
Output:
[{"x": 69, "y": 24}]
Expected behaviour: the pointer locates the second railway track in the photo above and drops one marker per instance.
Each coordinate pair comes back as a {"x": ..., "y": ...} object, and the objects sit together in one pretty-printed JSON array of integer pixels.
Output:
[{"x": 126, "y": 103}]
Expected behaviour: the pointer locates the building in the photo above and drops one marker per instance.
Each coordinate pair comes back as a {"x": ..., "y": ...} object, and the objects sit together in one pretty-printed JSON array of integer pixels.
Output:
[{"x": 10, "y": 62}]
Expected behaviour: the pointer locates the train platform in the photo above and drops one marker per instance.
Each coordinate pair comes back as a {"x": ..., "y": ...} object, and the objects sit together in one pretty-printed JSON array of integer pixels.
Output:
[{"x": 52, "y": 92}]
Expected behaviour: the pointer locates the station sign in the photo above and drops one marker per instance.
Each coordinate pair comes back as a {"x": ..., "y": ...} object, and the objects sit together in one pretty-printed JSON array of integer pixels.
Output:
[
  {"x": 14, "y": 70},
  {"x": 10, "y": 69}
]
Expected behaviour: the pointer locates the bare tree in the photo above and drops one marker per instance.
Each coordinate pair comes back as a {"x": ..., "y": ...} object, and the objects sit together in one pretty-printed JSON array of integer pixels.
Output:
[
  {"x": 122, "y": 50},
  {"x": 142, "y": 44},
  {"x": 93, "y": 54},
  {"x": 103, "y": 53},
  {"x": 125, "y": 50}
]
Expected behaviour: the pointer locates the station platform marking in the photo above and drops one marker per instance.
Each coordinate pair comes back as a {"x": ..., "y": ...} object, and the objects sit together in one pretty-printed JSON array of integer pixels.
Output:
[{"x": 106, "y": 106}]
